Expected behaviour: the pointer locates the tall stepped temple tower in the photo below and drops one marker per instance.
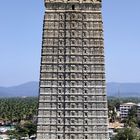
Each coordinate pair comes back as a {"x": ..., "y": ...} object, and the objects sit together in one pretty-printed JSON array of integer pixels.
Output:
[{"x": 72, "y": 100}]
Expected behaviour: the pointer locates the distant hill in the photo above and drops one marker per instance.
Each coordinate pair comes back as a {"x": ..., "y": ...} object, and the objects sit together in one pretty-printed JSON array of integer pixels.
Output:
[
  {"x": 31, "y": 89},
  {"x": 26, "y": 89}
]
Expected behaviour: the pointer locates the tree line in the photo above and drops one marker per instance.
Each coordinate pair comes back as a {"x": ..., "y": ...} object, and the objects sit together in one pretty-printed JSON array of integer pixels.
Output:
[{"x": 17, "y": 109}]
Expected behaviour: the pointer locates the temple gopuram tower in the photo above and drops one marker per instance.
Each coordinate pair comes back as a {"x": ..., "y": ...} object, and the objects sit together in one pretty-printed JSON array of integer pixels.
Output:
[{"x": 72, "y": 96}]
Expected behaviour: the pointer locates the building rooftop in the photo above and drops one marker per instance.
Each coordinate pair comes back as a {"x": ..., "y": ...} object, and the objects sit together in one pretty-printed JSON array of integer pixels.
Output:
[{"x": 128, "y": 104}]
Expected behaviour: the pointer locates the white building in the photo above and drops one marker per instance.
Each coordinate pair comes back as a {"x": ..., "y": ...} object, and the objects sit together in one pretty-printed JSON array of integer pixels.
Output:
[
  {"x": 138, "y": 111},
  {"x": 124, "y": 109}
]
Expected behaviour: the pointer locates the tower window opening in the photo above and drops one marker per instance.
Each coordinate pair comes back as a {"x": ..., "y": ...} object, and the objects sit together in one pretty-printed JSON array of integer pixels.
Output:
[
  {"x": 72, "y": 129},
  {"x": 86, "y": 137},
  {"x": 72, "y": 121},
  {"x": 73, "y": 7},
  {"x": 86, "y": 121},
  {"x": 85, "y": 98},
  {"x": 72, "y": 137},
  {"x": 59, "y": 121},
  {"x": 59, "y": 98}
]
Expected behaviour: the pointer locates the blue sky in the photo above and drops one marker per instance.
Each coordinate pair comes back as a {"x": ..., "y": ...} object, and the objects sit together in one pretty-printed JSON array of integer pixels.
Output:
[{"x": 21, "y": 32}]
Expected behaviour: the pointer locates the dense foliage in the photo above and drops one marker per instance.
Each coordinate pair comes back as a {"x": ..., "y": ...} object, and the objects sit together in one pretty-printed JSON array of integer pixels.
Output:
[
  {"x": 28, "y": 129},
  {"x": 17, "y": 109},
  {"x": 127, "y": 134}
]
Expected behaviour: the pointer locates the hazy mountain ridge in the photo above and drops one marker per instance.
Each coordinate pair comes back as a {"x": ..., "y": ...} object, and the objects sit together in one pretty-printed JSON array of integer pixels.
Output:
[
  {"x": 26, "y": 89},
  {"x": 31, "y": 89}
]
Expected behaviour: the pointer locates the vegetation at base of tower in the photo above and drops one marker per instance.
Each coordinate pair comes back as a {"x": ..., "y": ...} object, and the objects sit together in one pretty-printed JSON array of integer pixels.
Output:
[
  {"x": 14, "y": 110},
  {"x": 25, "y": 130},
  {"x": 114, "y": 103},
  {"x": 131, "y": 130},
  {"x": 20, "y": 113},
  {"x": 131, "y": 120},
  {"x": 126, "y": 134}
]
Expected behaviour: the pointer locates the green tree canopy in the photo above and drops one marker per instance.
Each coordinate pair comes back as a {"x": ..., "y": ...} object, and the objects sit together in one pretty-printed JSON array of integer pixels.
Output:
[{"x": 126, "y": 134}]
